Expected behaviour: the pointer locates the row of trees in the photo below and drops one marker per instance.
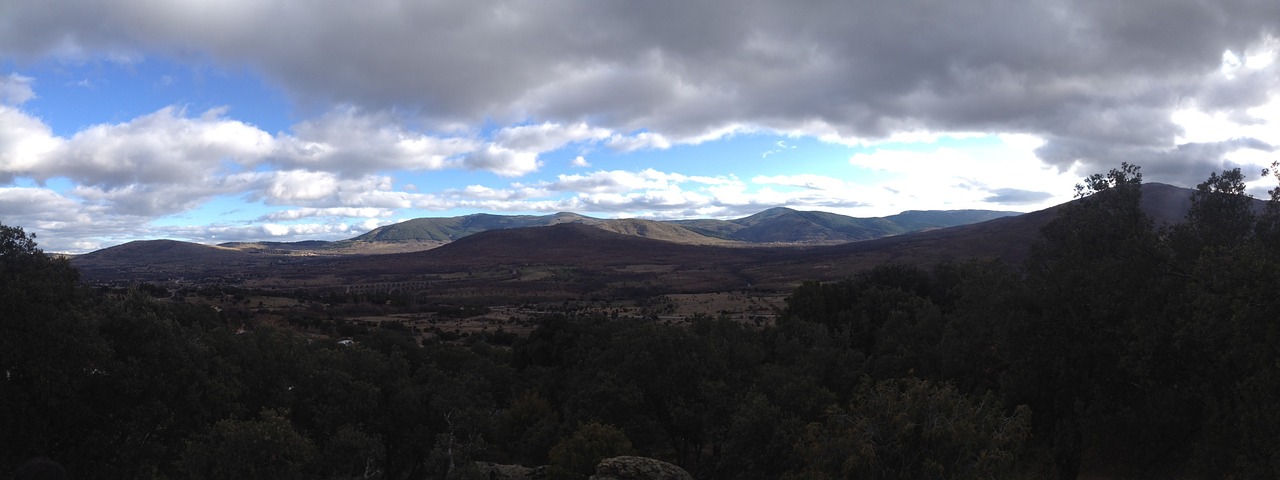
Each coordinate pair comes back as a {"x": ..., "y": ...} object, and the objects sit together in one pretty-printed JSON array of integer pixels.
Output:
[{"x": 1126, "y": 348}]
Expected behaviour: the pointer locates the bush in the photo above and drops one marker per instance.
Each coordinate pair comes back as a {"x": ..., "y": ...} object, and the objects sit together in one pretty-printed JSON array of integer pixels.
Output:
[{"x": 576, "y": 457}]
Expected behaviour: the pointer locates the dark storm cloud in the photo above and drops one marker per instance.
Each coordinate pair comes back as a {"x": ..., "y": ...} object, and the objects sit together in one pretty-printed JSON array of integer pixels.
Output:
[{"x": 1097, "y": 79}]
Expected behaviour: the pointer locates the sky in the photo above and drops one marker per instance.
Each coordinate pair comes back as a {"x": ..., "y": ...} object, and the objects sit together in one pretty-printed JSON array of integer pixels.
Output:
[{"x": 243, "y": 120}]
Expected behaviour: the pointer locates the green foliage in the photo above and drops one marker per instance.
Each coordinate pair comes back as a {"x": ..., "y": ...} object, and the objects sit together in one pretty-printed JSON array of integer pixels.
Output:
[
  {"x": 529, "y": 426},
  {"x": 915, "y": 429},
  {"x": 352, "y": 453},
  {"x": 576, "y": 457},
  {"x": 266, "y": 448},
  {"x": 760, "y": 441},
  {"x": 1089, "y": 276}
]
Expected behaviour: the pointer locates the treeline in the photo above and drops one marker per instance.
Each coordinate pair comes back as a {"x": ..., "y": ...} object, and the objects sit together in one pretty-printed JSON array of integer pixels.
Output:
[{"x": 1126, "y": 348}]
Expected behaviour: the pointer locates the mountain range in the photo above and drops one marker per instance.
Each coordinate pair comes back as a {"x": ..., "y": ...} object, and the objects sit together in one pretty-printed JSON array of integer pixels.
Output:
[
  {"x": 570, "y": 255},
  {"x": 772, "y": 226}
]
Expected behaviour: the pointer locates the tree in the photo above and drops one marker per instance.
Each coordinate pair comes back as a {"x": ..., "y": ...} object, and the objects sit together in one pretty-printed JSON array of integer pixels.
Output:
[
  {"x": 1221, "y": 215},
  {"x": 50, "y": 355},
  {"x": 912, "y": 428},
  {"x": 1096, "y": 275},
  {"x": 1225, "y": 313},
  {"x": 576, "y": 457},
  {"x": 266, "y": 448}
]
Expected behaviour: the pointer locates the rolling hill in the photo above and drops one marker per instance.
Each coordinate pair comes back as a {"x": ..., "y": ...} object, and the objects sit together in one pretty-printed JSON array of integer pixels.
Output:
[
  {"x": 164, "y": 251},
  {"x": 152, "y": 260}
]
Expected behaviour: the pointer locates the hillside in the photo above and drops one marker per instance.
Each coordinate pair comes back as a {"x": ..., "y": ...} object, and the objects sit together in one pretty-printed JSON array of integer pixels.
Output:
[
  {"x": 453, "y": 228},
  {"x": 776, "y": 225},
  {"x": 162, "y": 251},
  {"x": 156, "y": 260},
  {"x": 656, "y": 230}
]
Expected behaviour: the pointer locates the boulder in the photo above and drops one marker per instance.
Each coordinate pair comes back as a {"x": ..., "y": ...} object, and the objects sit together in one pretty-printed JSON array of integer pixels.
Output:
[
  {"x": 638, "y": 468},
  {"x": 494, "y": 471}
]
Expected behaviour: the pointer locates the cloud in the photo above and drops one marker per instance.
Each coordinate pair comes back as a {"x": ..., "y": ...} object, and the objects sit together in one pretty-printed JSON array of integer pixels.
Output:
[
  {"x": 352, "y": 143},
  {"x": 1091, "y": 76},
  {"x": 16, "y": 89},
  {"x": 502, "y": 161},
  {"x": 1068, "y": 71},
  {"x": 580, "y": 162},
  {"x": 25, "y": 142},
  {"x": 53, "y": 209},
  {"x": 480, "y": 192},
  {"x": 1014, "y": 196},
  {"x": 300, "y": 213},
  {"x": 615, "y": 181},
  {"x": 546, "y": 137},
  {"x": 295, "y": 185},
  {"x": 639, "y": 141},
  {"x": 164, "y": 147},
  {"x": 781, "y": 146},
  {"x": 804, "y": 180}
]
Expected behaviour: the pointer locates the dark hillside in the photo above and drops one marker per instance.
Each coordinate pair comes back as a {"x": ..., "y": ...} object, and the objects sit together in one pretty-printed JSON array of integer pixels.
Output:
[
  {"x": 569, "y": 244},
  {"x": 161, "y": 251},
  {"x": 158, "y": 260},
  {"x": 448, "y": 229}
]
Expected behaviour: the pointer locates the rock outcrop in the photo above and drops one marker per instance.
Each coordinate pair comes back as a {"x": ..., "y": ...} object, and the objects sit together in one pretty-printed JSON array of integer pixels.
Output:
[
  {"x": 638, "y": 468},
  {"x": 494, "y": 471}
]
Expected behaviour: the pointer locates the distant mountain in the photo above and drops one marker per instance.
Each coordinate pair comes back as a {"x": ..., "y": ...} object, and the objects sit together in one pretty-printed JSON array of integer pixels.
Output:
[
  {"x": 452, "y": 228},
  {"x": 1006, "y": 237},
  {"x": 784, "y": 225},
  {"x": 776, "y": 225},
  {"x": 445, "y": 230}
]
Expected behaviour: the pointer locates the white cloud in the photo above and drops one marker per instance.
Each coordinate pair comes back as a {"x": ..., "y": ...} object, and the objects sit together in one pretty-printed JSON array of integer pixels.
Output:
[
  {"x": 480, "y": 192},
  {"x": 353, "y": 143},
  {"x": 161, "y": 147},
  {"x": 16, "y": 89},
  {"x": 40, "y": 208},
  {"x": 639, "y": 141},
  {"x": 963, "y": 175},
  {"x": 301, "y": 185},
  {"x": 502, "y": 161},
  {"x": 25, "y": 142},
  {"x": 300, "y": 213},
  {"x": 804, "y": 180},
  {"x": 546, "y": 137},
  {"x": 615, "y": 181},
  {"x": 304, "y": 230},
  {"x": 580, "y": 162}
]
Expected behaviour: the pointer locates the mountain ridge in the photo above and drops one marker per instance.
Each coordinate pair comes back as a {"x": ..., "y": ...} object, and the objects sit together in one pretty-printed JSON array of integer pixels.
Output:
[
  {"x": 608, "y": 260},
  {"x": 774, "y": 225}
]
